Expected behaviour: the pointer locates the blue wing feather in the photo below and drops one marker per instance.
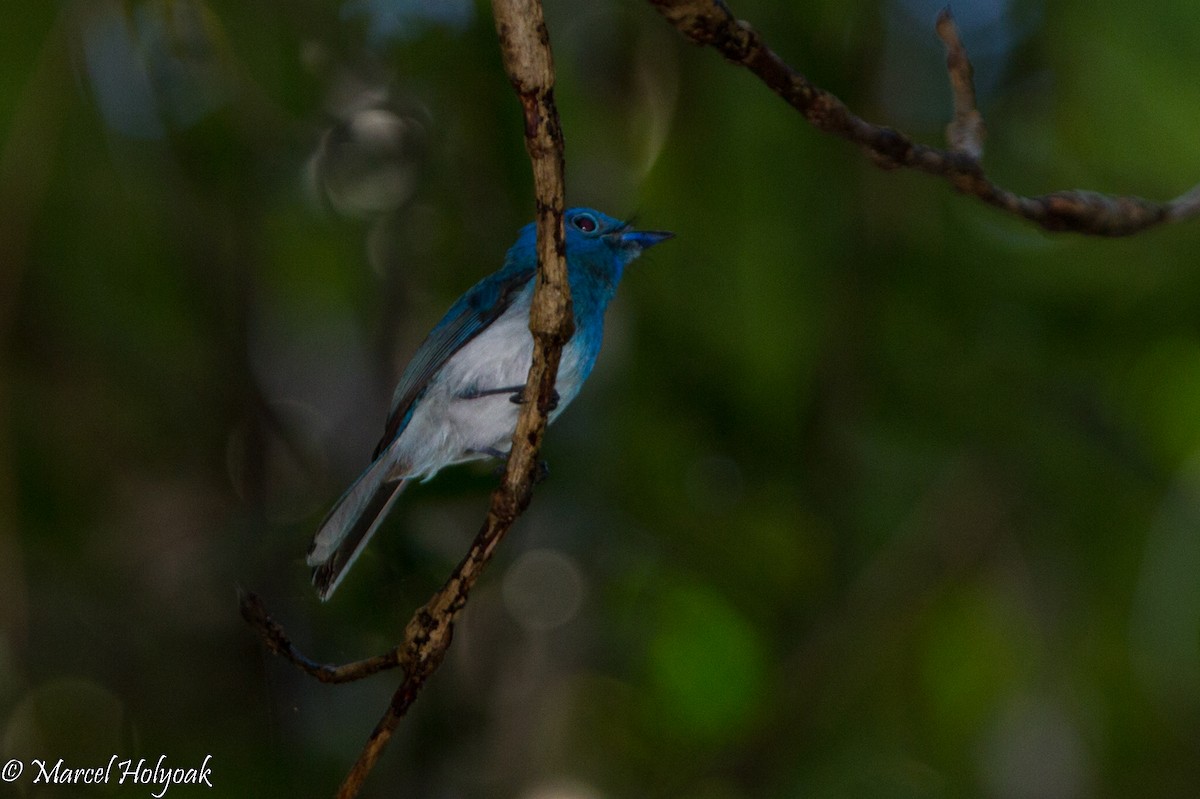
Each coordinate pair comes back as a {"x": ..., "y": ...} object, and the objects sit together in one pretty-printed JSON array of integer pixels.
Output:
[{"x": 471, "y": 314}]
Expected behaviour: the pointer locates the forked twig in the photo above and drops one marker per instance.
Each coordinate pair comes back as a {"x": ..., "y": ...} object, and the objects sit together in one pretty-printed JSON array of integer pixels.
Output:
[{"x": 711, "y": 23}]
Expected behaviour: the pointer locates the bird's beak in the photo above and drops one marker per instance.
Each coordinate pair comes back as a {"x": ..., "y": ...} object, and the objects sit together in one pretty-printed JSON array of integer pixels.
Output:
[{"x": 643, "y": 239}]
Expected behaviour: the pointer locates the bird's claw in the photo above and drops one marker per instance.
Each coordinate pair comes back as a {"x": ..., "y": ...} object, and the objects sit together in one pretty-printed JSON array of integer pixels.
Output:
[{"x": 519, "y": 399}]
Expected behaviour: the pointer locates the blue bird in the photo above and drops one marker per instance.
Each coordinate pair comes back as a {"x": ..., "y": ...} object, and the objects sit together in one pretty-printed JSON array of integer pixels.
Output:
[{"x": 458, "y": 399}]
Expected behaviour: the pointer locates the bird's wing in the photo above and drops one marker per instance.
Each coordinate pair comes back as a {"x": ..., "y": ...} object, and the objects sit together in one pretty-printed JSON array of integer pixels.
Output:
[{"x": 468, "y": 317}]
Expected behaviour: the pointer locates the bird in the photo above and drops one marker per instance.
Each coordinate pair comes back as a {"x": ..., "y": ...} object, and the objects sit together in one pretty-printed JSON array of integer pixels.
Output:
[{"x": 459, "y": 397}]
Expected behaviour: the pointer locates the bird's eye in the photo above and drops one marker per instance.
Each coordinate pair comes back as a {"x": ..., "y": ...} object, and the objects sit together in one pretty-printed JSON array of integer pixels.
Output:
[{"x": 585, "y": 222}]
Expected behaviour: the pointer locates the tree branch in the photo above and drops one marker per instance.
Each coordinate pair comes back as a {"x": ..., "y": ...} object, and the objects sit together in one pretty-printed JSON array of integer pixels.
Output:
[
  {"x": 711, "y": 23},
  {"x": 273, "y": 635},
  {"x": 525, "y": 47}
]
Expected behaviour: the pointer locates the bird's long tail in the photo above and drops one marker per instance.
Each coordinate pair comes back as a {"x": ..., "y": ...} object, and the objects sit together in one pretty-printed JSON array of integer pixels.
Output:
[{"x": 350, "y": 525}]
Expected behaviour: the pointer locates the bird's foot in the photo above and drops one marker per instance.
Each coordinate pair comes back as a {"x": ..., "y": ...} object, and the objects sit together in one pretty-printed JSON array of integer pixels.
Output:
[{"x": 519, "y": 399}]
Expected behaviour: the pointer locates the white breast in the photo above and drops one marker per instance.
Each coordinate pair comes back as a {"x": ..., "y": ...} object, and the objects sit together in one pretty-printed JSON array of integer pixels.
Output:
[{"x": 446, "y": 429}]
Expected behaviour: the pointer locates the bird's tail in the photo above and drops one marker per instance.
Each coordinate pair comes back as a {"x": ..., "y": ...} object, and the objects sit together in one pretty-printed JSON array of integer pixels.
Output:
[{"x": 350, "y": 525}]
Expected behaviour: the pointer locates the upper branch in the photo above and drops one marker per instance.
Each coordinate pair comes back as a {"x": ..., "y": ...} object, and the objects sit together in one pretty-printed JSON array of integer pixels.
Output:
[{"x": 711, "y": 23}]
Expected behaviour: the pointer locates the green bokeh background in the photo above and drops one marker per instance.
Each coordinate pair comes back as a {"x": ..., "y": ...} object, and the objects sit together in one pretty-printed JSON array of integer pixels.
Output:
[{"x": 874, "y": 493}]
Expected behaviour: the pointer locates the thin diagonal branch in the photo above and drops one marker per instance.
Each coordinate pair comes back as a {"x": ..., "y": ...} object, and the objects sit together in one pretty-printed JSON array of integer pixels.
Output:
[
  {"x": 711, "y": 23},
  {"x": 525, "y": 47}
]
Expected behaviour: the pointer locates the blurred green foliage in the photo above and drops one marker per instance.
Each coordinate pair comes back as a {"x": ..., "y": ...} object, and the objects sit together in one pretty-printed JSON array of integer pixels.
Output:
[{"x": 875, "y": 492}]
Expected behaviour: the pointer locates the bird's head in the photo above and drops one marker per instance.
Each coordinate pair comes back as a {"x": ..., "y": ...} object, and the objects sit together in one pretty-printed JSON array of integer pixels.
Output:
[
  {"x": 591, "y": 234},
  {"x": 599, "y": 248}
]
